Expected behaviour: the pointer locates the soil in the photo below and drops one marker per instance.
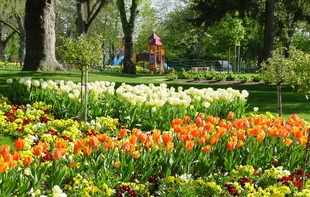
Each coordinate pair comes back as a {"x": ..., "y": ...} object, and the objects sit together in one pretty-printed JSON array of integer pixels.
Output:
[{"x": 214, "y": 82}]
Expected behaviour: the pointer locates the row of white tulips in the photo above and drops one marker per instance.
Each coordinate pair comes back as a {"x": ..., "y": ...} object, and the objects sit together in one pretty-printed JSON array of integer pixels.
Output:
[{"x": 147, "y": 105}]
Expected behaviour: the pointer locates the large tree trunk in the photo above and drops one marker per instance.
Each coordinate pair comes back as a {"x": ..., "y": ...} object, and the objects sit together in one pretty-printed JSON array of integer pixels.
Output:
[
  {"x": 128, "y": 29},
  {"x": 269, "y": 30},
  {"x": 128, "y": 63},
  {"x": 40, "y": 36}
]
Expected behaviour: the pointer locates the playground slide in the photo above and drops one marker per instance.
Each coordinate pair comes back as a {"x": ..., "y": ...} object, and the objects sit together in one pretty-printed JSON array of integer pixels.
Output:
[
  {"x": 116, "y": 61},
  {"x": 166, "y": 66}
]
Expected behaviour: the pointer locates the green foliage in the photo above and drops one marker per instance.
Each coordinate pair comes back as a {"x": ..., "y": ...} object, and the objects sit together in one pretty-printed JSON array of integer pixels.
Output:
[
  {"x": 173, "y": 76},
  {"x": 294, "y": 70},
  {"x": 81, "y": 52},
  {"x": 256, "y": 78},
  {"x": 276, "y": 69},
  {"x": 299, "y": 76}
]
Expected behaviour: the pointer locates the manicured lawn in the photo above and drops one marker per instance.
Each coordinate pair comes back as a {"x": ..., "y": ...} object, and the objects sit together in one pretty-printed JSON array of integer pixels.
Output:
[{"x": 262, "y": 96}]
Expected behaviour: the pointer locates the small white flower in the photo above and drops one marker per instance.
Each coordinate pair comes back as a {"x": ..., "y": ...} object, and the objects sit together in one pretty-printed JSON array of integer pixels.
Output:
[
  {"x": 153, "y": 109},
  {"x": 8, "y": 81},
  {"x": 255, "y": 109},
  {"x": 22, "y": 80},
  {"x": 27, "y": 171},
  {"x": 36, "y": 83}
]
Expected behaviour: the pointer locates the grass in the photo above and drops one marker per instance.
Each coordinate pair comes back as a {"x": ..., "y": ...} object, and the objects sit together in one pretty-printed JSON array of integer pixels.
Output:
[{"x": 262, "y": 96}]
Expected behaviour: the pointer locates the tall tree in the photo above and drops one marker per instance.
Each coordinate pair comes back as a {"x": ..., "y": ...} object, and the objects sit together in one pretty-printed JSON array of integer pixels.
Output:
[
  {"x": 40, "y": 36},
  {"x": 128, "y": 26},
  {"x": 91, "y": 11},
  {"x": 12, "y": 16},
  {"x": 108, "y": 25},
  {"x": 269, "y": 30},
  {"x": 289, "y": 16}
]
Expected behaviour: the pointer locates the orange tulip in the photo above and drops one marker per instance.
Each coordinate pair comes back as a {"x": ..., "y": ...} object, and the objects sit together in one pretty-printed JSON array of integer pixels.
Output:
[
  {"x": 16, "y": 155},
  {"x": 303, "y": 141},
  {"x": 240, "y": 143},
  {"x": 136, "y": 154},
  {"x": 222, "y": 123},
  {"x": 238, "y": 123},
  {"x": 127, "y": 147},
  {"x": 214, "y": 140},
  {"x": 19, "y": 143},
  {"x": 37, "y": 150},
  {"x": 109, "y": 144},
  {"x": 57, "y": 154},
  {"x": 7, "y": 158},
  {"x": 184, "y": 129},
  {"x": 261, "y": 136},
  {"x": 187, "y": 137},
  {"x": 155, "y": 135},
  {"x": 177, "y": 128},
  {"x": 143, "y": 137},
  {"x": 206, "y": 149},
  {"x": 278, "y": 123},
  {"x": 241, "y": 134},
  {"x": 231, "y": 144},
  {"x": 93, "y": 142},
  {"x": 283, "y": 132},
  {"x": 186, "y": 119},
  {"x": 133, "y": 139},
  {"x": 258, "y": 120},
  {"x": 273, "y": 131},
  {"x": 167, "y": 137},
  {"x": 136, "y": 132},
  {"x": 12, "y": 164},
  {"x": 189, "y": 145},
  {"x": 201, "y": 115},
  {"x": 73, "y": 164},
  {"x": 201, "y": 141},
  {"x": 220, "y": 132},
  {"x": 78, "y": 145},
  {"x": 148, "y": 143},
  {"x": 102, "y": 137},
  {"x": 206, "y": 136},
  {"x": 195, "y": 133},
  {"x": 230, "y": 115},
  {"x": 60, "y": 143},
  {"x": 27, "y": 160},
  {"x": 176, "y": 121},
  {"x": 199, "y": 122},
  {"x": 3, "y": 166},
  {"x": 117, "y": 164},
  {"x": 209, "y": 127},
  {"x": 4, "y": 150},
  {"x": 87, "y": 151},
  {"x": 253, "y": 131},
  {"x": 169, "y": 146},
  {"x": 45, "y": 145},
  {"x": 122, "y": 132},
  {"x": 297, "y": 133},
  {"x": 213, "y": 119},
  {"x": 288, "y": 142}
]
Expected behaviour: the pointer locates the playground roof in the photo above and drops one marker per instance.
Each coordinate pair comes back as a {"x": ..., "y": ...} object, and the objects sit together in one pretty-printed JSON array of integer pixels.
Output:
[{"x": 154, "y": 40}]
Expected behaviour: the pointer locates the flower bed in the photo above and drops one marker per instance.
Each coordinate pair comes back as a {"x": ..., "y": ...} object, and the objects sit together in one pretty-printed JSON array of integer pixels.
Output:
[
  {"x": 259, "y": 155},
  {"x": 147, "y": 105}
]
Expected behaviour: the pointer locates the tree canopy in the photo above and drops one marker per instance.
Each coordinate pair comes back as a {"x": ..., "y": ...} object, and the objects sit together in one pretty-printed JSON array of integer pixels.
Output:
[{"x": 194, "y": 29}]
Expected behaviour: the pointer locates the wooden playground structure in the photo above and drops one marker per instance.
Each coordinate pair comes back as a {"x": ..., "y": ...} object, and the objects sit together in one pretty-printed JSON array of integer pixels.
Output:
[{"x": 153, "y": 59}]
